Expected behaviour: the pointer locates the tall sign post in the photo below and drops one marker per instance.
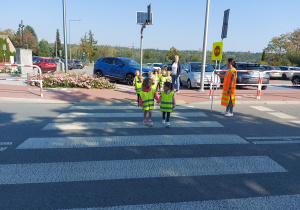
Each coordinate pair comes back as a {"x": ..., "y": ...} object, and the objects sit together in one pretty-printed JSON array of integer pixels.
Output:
[
  {"x": 21, "y": 30},
  {"x": 65, "y": 35},
  {"x": 143, "y": 18},
  {"x": 204, "y": 47}
]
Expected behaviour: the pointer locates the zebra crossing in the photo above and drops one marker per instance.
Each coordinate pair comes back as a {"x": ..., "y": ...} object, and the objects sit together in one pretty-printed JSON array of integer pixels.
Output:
[{"x": 150, "y": 168}]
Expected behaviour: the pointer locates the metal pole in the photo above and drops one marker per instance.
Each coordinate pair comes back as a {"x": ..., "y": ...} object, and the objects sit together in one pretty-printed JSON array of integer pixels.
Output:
[
  {"x": 22, "y": 33},
  {"x": 204, "y": 47},
  {"x": 141, "y": 68},
  {"x": 56, "y": 49},
  {"x": 70, "y": 39},
  {"x": 65, "y": 35}
]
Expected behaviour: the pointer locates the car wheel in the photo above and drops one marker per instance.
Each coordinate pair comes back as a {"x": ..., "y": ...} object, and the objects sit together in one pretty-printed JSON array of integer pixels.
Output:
[
  {"x": 189, "y": 84},
  {"x": 264, "y": 87},
  {"x": 99, "y": 73},
  {"x": 284, "y": 76},
  {"x": 129, "y": 79},
  {"x": 296, "y": 80}
]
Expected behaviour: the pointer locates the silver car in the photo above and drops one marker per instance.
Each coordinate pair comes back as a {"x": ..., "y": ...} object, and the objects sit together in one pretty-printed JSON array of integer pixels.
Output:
[{"x": 191, "y": 75}]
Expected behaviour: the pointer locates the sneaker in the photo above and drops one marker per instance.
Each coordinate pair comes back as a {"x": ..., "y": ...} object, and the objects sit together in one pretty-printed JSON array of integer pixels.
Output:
[
  {"x": 177, "y": 91},
  {"x": 150, "y": 123},
  {"x": 223, "y": 113},
  {"x": 228, "y": 114},
  {"x": 168, "y": 124},
  {"x": 163, "y": 122},
  {"x": 145, "y": 122}
]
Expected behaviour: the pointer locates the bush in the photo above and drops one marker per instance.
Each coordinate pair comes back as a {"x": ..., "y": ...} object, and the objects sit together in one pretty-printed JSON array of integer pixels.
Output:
[
  {"x": 69, "y": 80},
  {"x": 6, "y": 69}
]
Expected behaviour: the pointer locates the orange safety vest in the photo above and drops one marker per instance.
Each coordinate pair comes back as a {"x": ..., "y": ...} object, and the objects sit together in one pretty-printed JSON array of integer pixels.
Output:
[{"x": 226, "y": 85}]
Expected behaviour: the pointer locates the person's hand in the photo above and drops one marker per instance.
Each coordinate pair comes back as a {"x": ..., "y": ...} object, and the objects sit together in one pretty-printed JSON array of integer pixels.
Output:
[
  {"x": 178, "y": 75},
  {"x": 229, "y": 91},
  {"x": 215, "y": 72}
]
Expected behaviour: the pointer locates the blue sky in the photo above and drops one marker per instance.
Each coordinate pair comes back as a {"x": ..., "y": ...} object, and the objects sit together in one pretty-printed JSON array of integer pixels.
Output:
[{"x": 178, "y": 23}]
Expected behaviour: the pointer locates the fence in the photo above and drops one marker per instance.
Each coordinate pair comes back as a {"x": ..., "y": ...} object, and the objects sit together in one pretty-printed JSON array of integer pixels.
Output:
[
  {"x": 26, "y": 80},
  {"x": 259, "y": 85}
]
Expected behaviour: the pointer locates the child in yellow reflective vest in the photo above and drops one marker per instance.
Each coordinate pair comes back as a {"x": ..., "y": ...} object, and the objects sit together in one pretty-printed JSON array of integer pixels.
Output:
[
  {"x": 138, "y": 87},
  {"x": 136, "y": 78},
  {"x": 167, "y": 102},
  {"x": 162, "y": 80},
  {"x": 146, "y": 100}
]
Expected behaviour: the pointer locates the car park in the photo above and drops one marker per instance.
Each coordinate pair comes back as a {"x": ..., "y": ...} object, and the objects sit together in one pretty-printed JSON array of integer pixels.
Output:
[
  {"x": 286, "y": 69},
  {"x": 118, "y": 68},
  {"x": 250, "y": 77},
  {"x": 277, "y": 74},
  {"x": 46, "y": 64},
  {"x": 191, "y": 75}
]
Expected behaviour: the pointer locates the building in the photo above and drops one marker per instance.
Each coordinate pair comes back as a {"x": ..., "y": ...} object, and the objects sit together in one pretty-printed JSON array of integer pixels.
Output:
[{"x": 10, "y": 44}]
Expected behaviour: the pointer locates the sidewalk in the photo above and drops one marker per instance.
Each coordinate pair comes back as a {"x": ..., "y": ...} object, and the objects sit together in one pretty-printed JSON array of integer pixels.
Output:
[{"x": 26, "y": 93}]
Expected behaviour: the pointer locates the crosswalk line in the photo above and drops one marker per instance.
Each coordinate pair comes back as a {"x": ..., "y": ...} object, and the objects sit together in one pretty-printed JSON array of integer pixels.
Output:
[
  {"x": 132, "y": 169},
  {"x": 127, "y": 124},
  {"x": 277, "y": 142},
  {"x": 124, "y": 141},
  {"x": 262, "y": 108},
  {"x": 290, "y": 202},
  {"x": 123, "y": 107},
  {"x": 273, "y": 137},
  {"x": 2, "y": 148},
  {"x": 127, "y": 115},
  {"x": 282, "y": 115},
  {"x": 296, "y": 122}
]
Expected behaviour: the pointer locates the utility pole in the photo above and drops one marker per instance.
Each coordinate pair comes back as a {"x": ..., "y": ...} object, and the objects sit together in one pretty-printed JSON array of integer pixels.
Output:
[
  {"x": 21, "y": 29},
  {"x": 204, "y": 47},
  {"x": 65, "y": 35},
  {"x": 70, "y": 37}
]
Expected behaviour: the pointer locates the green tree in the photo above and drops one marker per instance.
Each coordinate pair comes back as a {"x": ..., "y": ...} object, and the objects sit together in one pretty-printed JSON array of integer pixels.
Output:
[
  {"x": 263, "y": 57},
  {"x": 44, "y": 48},
  {"x": 294, "y": 57},
  {"x": 195, "y": 58},
  {"x": 172, "y": 52},
  {"x": 147, "y": 54},
  {"x": 59, "y": 45},
  {"x": 128, "y": 53},
  {"x": 9, "y": 32},
  {"x": 30, "y": 41}
]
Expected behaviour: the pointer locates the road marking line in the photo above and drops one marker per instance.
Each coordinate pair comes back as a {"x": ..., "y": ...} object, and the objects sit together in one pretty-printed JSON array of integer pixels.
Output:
[
  {"x": 127, "y": 115},
  {"x": 2, "y": 148},
  {"x": 282, "y": 115},
  {"x": 127, "y": 124},
  {"x": 291, "y": 202},
  {"x": 277, "y": 142},
  {"x": 132, "y": 169},
  {"x": 296, "y": 122},
  {"x": 124, "y": 141},
  {"x": 262, "y": 108},
  {"x": 124, "y": 107},
  {"x": 5, "y": 143},
  {"x": 274, "y": 137}
]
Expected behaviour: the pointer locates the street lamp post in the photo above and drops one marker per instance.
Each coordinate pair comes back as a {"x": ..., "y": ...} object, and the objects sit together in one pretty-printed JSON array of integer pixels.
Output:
[
  {"x": 65, "y": 35},
  {"x": 70, "y": 37}
]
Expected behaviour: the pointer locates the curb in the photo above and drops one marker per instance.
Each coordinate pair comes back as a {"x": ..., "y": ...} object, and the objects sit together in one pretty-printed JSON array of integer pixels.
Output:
[
  {"x": 252, "y": 102},
  {"x": 30, "y": 100}
]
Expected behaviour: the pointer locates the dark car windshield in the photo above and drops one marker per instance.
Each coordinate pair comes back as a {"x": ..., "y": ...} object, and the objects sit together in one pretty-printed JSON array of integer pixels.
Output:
[
  {"x": 196, "y": 67},
  {"x": 156, "y": 65},
  {"x": 49, "y": 61},
  {"x": 130, "y": 62},
  {"x": 55, "y": 61}
]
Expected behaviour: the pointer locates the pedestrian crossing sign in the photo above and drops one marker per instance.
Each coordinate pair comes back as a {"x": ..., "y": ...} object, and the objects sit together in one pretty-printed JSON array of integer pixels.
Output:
[{"x": 217, "y": 51}]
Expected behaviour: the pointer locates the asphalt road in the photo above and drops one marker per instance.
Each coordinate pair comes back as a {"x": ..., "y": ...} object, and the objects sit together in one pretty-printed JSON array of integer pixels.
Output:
[{"x": 93, "y": 155}]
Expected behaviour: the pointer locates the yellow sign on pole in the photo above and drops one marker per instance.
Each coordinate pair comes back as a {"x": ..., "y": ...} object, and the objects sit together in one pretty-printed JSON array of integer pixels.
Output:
[{"x": 217, "y": 51}]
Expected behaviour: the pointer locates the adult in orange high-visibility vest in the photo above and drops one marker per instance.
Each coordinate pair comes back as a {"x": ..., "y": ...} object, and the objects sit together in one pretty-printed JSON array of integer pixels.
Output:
[{"x": 229, "y": 87}]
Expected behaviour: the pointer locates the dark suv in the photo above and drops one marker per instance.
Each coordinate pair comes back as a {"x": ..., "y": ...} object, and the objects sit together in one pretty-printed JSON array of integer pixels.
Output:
[
  {"x": 117, "y": 68},
  {"x": 250, "y": 77}
]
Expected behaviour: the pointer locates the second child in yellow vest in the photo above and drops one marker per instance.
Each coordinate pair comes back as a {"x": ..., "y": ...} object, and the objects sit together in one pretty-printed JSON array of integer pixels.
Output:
[
  {"x": 136, "y": 78},
  {"x": 167, "y": 102},
  {"x": 146, "y": 100},
  {"x": 138, "y": 87},
  {"x": 162, "y": 80},
  {"x": 229, "y": 87}
]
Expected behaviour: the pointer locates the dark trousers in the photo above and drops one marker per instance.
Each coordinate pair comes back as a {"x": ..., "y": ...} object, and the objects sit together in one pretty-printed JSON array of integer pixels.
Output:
[
  {"x": 168, "y": 116},
  {"x": 138, "y": 96},
  {"x": 229, "y": 108}
]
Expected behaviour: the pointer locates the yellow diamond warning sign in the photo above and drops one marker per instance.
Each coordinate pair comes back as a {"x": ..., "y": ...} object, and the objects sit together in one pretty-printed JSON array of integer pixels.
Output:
[{"x": 217, "y": 51}]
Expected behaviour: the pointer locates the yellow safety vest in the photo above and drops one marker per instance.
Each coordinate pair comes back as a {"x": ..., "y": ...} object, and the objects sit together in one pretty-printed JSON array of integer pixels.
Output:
[
  {"x": 148, "y": 99},
  {"x": 138, "y": 87},
  {"x": 166, "y": 103},
  {"x": 162, "y": 81}
]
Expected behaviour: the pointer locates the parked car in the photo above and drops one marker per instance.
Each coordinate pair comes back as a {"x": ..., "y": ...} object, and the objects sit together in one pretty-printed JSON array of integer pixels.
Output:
[
  {"x": 249, "y": 77},
  {"x": 191, "y": 75},
  {"x": 273, "y": 68},
  {"x": 296, "y": 79},
  {"x": 155, "y": 65},
  {"x": 46, "y": 64},
  {"x": 288, "y": 75},
  {"x": 118, "y": 68},
  {"x": 78, "y": 64},
  {"x": 70, "y": 66},
  {"x": 169, "y": 66}
]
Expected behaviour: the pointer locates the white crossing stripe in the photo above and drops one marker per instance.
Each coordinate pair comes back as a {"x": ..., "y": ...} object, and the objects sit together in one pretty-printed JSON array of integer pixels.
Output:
[
  {"x": 290, "y": 202},
  {"x": 126, "y": 107},
  {"x": 127, "y": 115},
  {"x": 131, "y": 169},
  {"x": 5, "y": 143},
  {"x": 262, "y": 108},
  {"x": 277, "y": 142},
  {"x": 282, "y": 115},
  {"x": 124, "y": 141},
  {"x": 296, "y": 122},
  {"x": 127, "y": 124},
  {"x": 2, "y": 148},
  {"x": 274, "y": 137}
]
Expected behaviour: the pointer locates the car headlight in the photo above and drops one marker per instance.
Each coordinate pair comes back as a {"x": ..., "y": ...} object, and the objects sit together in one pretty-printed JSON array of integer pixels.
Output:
[{"x": 197, "y": 78}]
